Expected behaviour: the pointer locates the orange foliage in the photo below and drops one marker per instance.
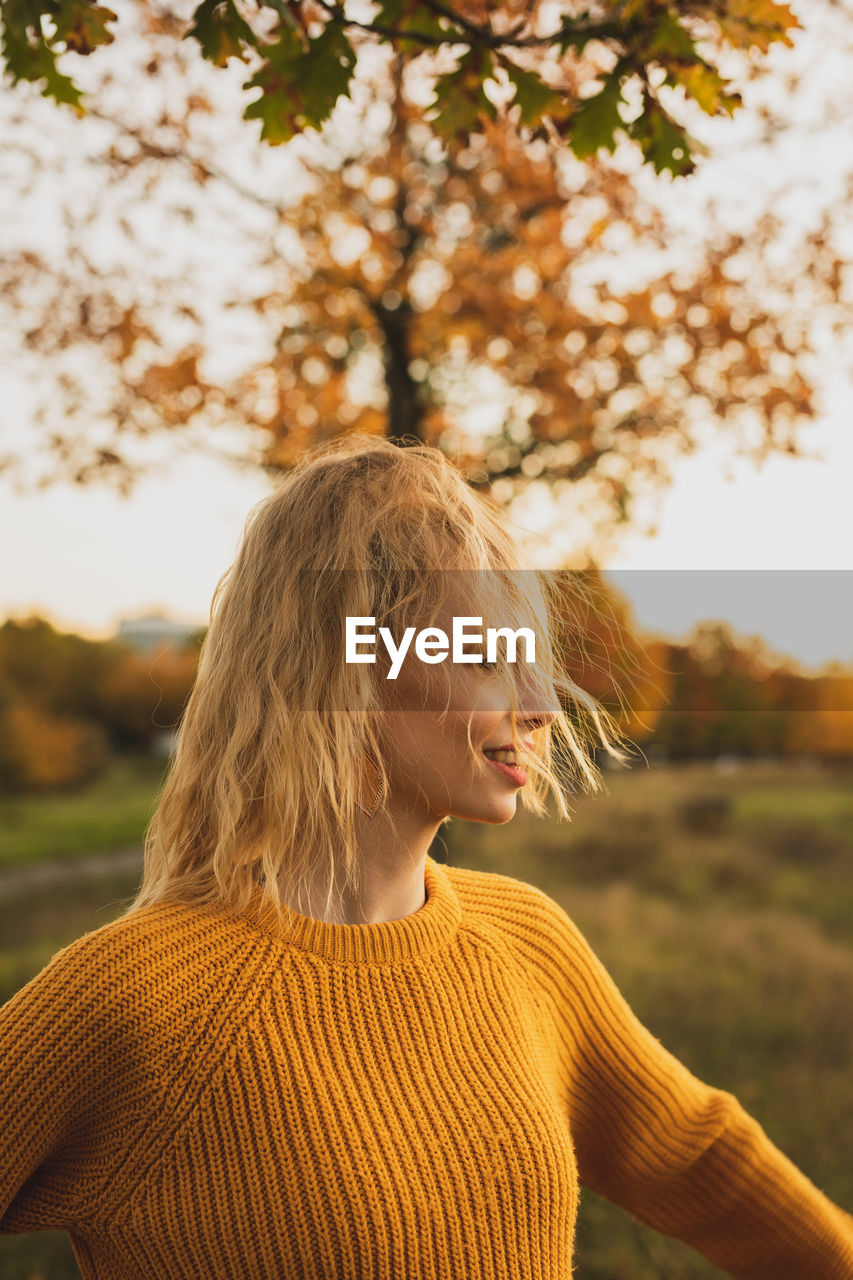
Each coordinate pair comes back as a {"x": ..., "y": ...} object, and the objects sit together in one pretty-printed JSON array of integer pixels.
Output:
[
  {"x": 422, "y": 270},
  {"x": 43, "y": 751},
  {"x": 604, "y": 654}
]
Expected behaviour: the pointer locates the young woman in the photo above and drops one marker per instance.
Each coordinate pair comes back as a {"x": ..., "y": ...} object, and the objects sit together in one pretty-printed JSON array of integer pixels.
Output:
[{"x": 309, "y": 1050}]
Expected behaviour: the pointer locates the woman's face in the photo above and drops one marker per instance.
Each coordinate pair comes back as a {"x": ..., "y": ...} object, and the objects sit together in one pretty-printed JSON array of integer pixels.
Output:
[{"x": 433, "y": 768}]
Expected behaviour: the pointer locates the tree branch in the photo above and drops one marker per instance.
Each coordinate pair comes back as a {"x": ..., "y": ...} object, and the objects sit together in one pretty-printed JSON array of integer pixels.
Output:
[
  {"x": 153, "y": 150},
  {"x": 482, "y": 37}
]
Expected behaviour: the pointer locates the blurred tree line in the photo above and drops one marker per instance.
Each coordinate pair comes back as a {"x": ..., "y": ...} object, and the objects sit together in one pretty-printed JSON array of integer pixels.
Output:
[
  {"x": 711, "y": 695},
  {"x": 68, "y": 705}
]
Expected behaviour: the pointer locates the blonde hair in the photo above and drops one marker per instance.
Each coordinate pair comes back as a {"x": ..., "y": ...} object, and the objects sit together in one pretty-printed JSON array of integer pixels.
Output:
[{"x": 265, "y": 774}]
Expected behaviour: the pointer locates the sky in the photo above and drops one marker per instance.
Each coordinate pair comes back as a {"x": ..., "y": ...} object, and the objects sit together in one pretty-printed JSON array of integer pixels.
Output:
[{"x": 768, "y": 549}]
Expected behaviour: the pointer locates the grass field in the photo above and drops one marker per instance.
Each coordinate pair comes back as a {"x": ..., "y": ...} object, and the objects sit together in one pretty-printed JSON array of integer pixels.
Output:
[
  {"x": 111, "y": 812},
  {"x": 722, "y": 903}
]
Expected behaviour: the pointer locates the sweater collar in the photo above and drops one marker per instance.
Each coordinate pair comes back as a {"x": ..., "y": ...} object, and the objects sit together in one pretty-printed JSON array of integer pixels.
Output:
[{"x": 426, "y": 931}]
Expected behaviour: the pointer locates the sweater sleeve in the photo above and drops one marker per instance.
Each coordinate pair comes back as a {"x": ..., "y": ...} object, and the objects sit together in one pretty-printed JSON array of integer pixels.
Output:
[
  {"x": 55, "y": 1037},
  {"x": 681, "y": 1156}
]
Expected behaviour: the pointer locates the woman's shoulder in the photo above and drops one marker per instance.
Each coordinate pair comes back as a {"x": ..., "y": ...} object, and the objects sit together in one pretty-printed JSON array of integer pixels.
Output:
[
  {"x": 133, "y": 962},
  {"x": 499, "y": 893},
  {"x": 540, "y": 937},
  {"x": 522, "y": 913},
  {"x": 138, "y": 940}
]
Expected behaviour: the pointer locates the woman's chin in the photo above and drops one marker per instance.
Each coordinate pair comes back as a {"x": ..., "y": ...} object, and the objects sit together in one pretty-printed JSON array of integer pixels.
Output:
[{"x": 495, "y": 813}]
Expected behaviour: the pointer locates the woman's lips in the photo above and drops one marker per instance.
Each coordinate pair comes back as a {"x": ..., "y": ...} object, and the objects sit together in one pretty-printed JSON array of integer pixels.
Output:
[
  {"x": 508, "y": 765},
  {"x": 511, "y": 749}
]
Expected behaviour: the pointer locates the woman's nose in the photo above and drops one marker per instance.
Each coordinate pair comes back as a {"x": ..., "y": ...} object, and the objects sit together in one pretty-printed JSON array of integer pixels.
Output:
[
  {"x": 538, "y": 719},
  {"x": 538, "y": 704}
]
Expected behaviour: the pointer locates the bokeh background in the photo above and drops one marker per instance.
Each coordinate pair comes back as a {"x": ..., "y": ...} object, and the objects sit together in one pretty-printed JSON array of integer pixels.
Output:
[{"x": 651, "y": 374}]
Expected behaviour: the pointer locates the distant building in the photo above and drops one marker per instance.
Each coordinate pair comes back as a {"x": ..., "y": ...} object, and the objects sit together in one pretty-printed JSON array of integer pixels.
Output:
[
  {"x": 164, "y": 743},
  {"x": 146, "y": 633}
]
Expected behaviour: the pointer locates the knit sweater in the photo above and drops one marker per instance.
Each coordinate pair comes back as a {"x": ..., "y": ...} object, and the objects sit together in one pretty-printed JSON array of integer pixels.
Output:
[{"x": 191, "y": 1092}]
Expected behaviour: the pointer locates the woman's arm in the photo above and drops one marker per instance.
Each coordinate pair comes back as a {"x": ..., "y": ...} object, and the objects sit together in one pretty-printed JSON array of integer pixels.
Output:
[
  {"x": 54, "y": 1033},
  {"x": 681, "y": 1156}
]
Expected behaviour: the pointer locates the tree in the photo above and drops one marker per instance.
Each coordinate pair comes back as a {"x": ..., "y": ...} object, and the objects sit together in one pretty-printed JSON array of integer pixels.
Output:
[
  {"x": 42, "y": 751},
  {"x": 600, "y": 647},
  {"x": 429, "y": 280},
  {"x": 302, "y": 55},
  {"x": 66, "y": 702},
  {"x": 729, "y": 695}
]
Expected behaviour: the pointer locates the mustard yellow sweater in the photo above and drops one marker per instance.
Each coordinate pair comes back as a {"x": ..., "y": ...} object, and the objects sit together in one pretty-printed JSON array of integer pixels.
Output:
[{"x": 190, "y": 1094}]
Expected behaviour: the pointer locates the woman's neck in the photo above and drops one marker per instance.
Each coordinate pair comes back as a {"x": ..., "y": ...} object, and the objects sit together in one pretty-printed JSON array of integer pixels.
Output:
[{"x": 392, "y": 850}]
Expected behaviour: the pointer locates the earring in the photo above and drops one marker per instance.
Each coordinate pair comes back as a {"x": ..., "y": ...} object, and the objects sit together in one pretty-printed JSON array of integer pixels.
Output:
[{"x": 370, "y": 790}]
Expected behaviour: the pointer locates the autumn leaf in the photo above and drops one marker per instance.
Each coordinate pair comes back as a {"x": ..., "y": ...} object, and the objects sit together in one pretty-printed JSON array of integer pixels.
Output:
[
  {"x": 672, "y": 46},
  {"x": 706, "y": 87},
  {"x": 221, "y": 32},
  {"x": 459, "y": 98},
  {"x": 756, "y": 23},
  {"x": 302, "y": 76},
  {"x": 28, "y": 56},
  {"x": 82, "y": 27},
  {"x": 299, "y": 87},
  {"x": 596, "y": 120},
  {"x": 669, "y": 39},
  {"x": 661, "y": 140},
  {"x": 411, "y": 16},
  {"x": 532, "y": 95}
]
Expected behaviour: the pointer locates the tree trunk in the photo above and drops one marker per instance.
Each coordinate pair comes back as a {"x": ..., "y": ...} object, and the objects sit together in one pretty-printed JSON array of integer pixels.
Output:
[{"x": 405, "y": 416}]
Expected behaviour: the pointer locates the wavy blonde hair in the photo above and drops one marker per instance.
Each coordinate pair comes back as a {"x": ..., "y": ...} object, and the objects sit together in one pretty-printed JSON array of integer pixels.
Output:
[{"x": 265, "y": 775}]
